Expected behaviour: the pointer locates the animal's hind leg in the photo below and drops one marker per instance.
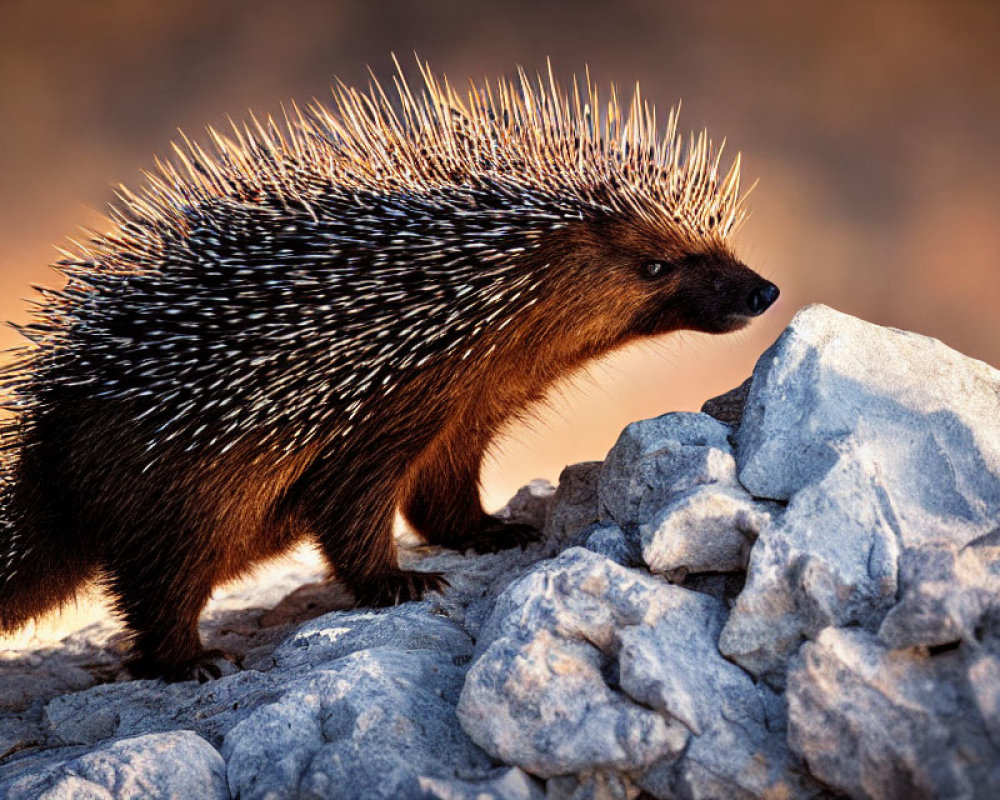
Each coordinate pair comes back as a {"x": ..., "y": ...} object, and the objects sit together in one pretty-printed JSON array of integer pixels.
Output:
[{"x": 442, "y": 498}]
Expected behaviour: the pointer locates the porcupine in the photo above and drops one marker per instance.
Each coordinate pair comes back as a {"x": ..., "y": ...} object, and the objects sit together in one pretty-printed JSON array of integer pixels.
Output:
[{"x": 327, "y": 319}]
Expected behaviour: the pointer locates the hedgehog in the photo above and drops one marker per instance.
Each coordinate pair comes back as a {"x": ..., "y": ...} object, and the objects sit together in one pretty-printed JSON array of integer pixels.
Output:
[{"x": 307, "y": 325}]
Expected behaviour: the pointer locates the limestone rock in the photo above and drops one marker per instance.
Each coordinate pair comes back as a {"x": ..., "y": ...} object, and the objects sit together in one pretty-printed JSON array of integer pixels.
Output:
[
  {"x": 530, "y": 504},
  {"x": 379, "y": 723},
  {"x": 881, "y": 723},
  {"x": 670, "y": 485},
  {"x": 412, "y": 626},
  {"x": 885, "y": 447},
  {"x": 706, "y": 529},
  {"x": 585, "y": 664},
  {"x": 656, "y": 459},
  {"x": 574, "y": 505},
  {"x": 610, "y": 541},
  {"x": 153, "y": 766},
  {"x": 728, "y": 407}
]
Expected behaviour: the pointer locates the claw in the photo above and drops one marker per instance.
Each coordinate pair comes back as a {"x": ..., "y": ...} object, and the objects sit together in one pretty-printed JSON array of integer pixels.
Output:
[
  {"x": 495, "y": 534},
  {"x": 206, "y": 666},
  {"x": 400, "y": 586}
]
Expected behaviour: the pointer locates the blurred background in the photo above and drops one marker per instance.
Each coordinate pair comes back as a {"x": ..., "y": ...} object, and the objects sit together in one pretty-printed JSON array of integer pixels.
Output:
[{"x": 872, "y": 128}]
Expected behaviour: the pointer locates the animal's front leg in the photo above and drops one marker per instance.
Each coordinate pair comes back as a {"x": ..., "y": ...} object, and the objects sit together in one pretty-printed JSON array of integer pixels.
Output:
[{"x": 442, "y": 502}]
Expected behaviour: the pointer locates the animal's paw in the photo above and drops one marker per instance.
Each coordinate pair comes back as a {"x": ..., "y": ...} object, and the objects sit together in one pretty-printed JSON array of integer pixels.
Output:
[
  {"x": 206, "y": 666},
  {"x": 399, "y": 586},
  {"x": 495, "y": 534}
]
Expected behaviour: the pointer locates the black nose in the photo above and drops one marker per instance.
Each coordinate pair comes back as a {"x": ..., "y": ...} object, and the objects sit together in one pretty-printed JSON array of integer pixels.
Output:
[{"x": 762, "y": 297}]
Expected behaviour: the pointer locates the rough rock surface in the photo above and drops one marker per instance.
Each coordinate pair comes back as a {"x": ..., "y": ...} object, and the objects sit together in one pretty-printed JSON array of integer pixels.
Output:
[
  {"x": 885, "y": 446},
  {"x": 175, "y": 764},
  {"x": 805, "y": 606},
  {"x": 585, "y": 664}
]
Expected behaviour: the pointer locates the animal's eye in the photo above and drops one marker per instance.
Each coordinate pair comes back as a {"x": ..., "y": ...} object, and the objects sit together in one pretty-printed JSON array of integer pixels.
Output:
[{"x": 655, "y": 269}]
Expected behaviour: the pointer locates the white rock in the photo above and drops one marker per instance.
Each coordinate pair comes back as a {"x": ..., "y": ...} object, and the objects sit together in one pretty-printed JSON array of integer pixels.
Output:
[
  {"x": 586, "y": 665},
  {"x": 878, "y": 723},
  {"x": 378, "y": 723},
  {"x": 706, "y": 529},
  {"x": 656, "y": 459},
  {"x": 574, "y": 504},
  {"x": 670, "y": 485},
  {"x": 158, "y": 765},
  {"x": 411, "y": 626},
  {"x": 610, "y": 541},
  {"x": 886, "y": 447},
  {"x": 530, "y": 504}
]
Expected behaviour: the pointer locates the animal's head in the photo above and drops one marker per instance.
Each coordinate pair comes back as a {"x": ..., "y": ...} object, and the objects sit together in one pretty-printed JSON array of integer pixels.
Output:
[
  {"x": 621, "y": 278},
  {"x": 668, "y": 278}
]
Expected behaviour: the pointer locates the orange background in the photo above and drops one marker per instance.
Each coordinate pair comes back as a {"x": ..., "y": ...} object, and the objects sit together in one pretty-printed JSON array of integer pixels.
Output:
[{"x": 873, "y": 128}]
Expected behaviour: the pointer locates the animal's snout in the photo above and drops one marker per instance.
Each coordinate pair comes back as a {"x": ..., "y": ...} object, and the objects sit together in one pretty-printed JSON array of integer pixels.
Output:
[{"x": 762, "y": 298}]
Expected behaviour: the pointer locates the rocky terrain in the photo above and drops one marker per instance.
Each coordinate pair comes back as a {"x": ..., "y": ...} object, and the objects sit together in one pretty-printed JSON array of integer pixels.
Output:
[{"x": 798, "y": 597}]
